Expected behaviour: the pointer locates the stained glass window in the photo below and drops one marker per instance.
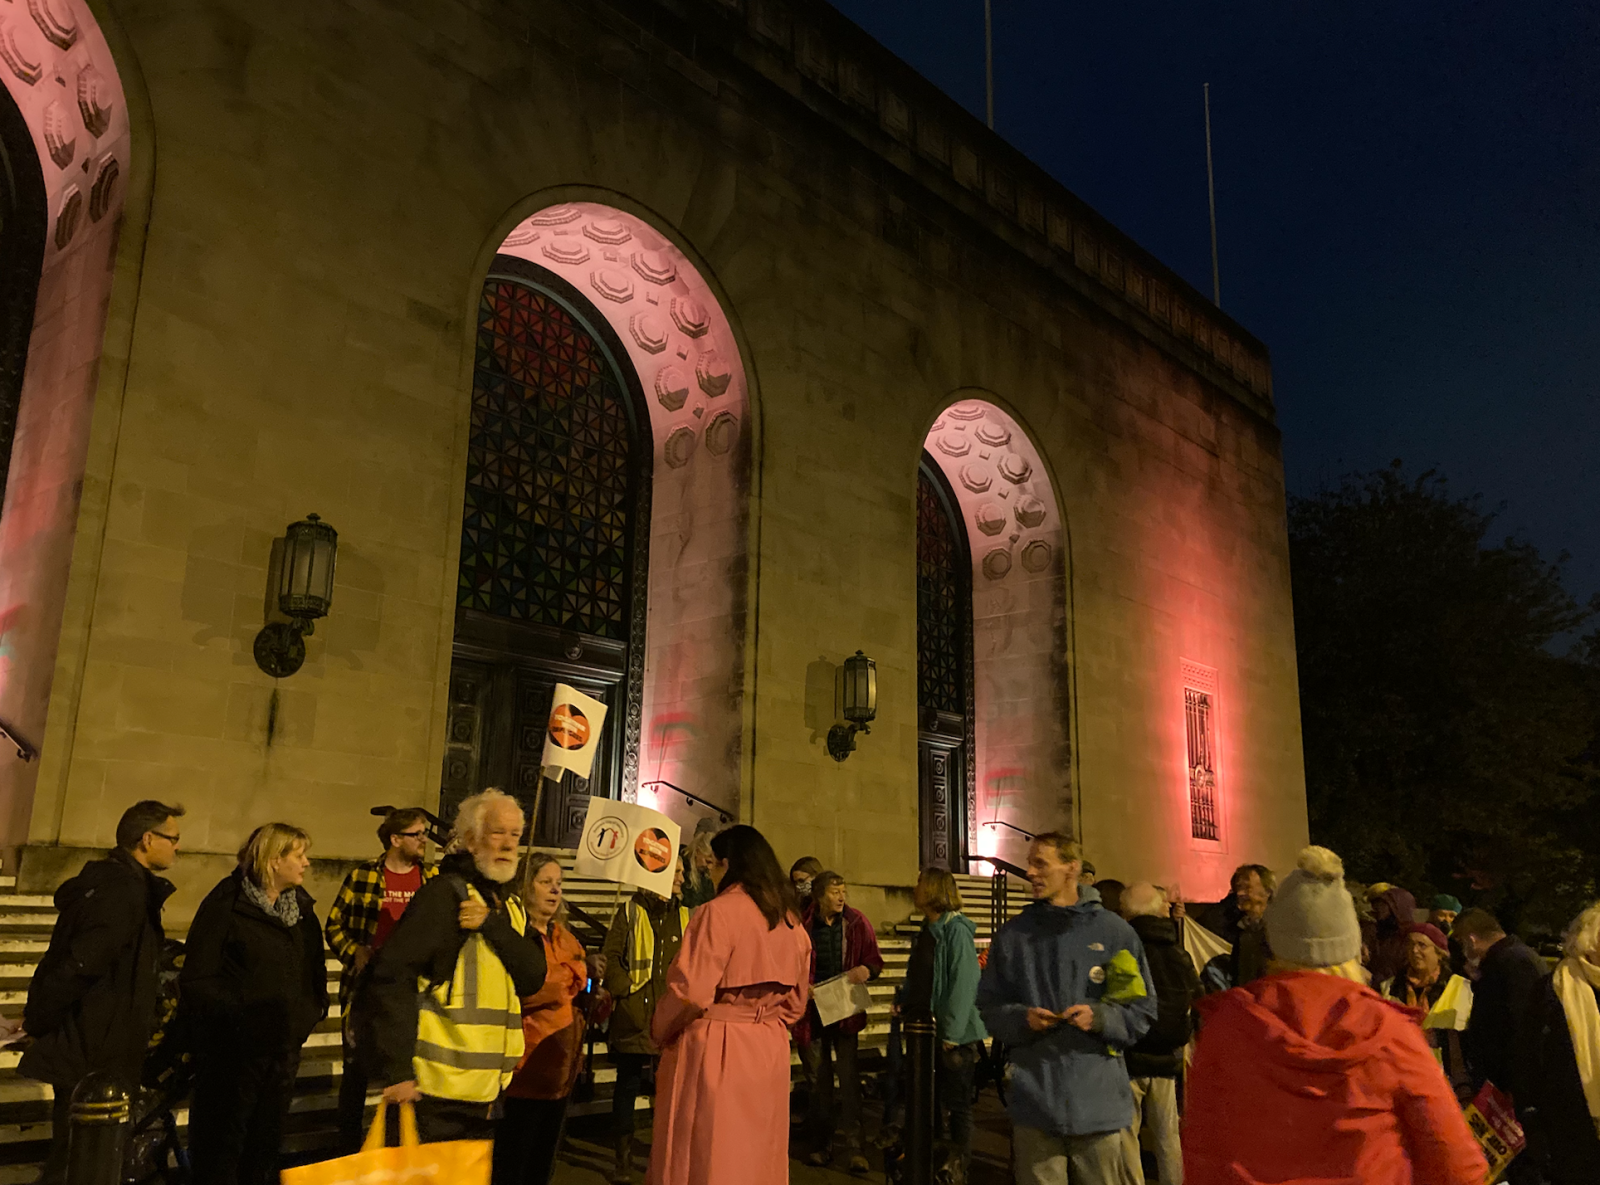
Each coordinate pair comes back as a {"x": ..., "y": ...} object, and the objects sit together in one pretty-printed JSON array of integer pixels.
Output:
[
  {"x": 544, "y": 534},
  {"x": 943, "y": 611},
  {"x": 1198, "y": 713}
]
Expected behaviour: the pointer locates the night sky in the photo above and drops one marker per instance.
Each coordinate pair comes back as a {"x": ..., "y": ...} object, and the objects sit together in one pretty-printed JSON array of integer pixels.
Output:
[{"x": 1408, "y": 204}]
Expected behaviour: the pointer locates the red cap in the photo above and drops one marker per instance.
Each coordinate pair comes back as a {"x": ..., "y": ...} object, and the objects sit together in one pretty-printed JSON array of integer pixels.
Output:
[{"x": 1435, "y": 935}]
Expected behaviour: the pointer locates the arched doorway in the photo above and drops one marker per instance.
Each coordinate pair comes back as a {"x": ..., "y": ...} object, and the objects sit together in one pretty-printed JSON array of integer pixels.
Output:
[
  {"x": 982, "y": 469},
  {"x": 554, "y": 535},
  {"x": 23, "y": 220},
  {"x": 946, "y": 754},
  {"x": 667, "y": 557},
  {"x": 65, "y": 170}
]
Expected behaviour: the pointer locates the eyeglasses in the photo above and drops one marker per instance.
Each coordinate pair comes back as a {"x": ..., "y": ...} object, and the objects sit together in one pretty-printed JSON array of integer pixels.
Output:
[
  {"x": 411, "y": 834},
  {"x": 165, "y": 836}
]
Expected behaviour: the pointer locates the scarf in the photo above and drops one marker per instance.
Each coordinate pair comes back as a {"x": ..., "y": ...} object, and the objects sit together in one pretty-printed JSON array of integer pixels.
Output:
[
  {"x": 1575, "y": 981},
  {"x": 286, "y": 909}
]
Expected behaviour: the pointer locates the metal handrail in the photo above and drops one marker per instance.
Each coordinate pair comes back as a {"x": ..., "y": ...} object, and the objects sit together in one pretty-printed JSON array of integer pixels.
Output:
[
  {"x": 722, "y": 815},
  {"x": 1027, "y": 835},
  {"x": 999, "y": 890}
]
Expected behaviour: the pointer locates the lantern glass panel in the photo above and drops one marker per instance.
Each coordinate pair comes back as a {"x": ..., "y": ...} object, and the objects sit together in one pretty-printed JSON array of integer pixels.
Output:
[
  {"x": 305, "y": 587},
  {"x": 860, "y": 688}
]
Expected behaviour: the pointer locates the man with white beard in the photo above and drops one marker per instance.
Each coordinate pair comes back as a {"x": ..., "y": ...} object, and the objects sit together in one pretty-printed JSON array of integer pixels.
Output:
[{"x": 445, "y": 1023}]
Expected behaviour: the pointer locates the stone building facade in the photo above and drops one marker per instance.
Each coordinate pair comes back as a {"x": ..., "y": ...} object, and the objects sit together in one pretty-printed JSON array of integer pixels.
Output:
[{"x": 677, "y": 349}]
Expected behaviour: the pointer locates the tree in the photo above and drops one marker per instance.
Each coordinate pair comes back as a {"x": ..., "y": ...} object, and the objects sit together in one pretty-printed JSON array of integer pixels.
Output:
[{"x": 1448, "y": 746}]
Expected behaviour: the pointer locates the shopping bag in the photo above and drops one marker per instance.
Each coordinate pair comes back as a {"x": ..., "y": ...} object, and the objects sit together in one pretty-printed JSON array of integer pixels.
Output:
[
  {"x": 1453, "y": 1008},
  {"x": 454, "y": 1162}
]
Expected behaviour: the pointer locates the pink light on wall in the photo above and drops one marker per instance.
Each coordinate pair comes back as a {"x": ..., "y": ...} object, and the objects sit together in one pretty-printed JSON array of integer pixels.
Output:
[{"x": 682, "y": 348}]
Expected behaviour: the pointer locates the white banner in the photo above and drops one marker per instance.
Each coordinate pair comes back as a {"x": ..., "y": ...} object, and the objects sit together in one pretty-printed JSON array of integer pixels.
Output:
[
  {"x": 625, "y": 842},
  {"x": 573, "y": 734}
]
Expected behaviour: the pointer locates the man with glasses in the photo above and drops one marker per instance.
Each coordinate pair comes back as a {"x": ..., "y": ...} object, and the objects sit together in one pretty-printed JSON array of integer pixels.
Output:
[
  {"x": 93, "y": 1001},
  {"x": 370, "y": 902}
]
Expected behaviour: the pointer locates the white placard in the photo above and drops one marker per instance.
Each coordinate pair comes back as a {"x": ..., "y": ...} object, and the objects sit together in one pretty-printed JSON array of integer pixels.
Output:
[
  {"x": 625, "y": 842},
  {"x": 572, "y": 735},
  {"x": 838, "y": 998}
]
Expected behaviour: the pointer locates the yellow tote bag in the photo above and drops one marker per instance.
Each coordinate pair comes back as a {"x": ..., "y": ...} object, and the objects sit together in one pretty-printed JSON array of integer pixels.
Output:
[{"x": 455, "y": 1162}]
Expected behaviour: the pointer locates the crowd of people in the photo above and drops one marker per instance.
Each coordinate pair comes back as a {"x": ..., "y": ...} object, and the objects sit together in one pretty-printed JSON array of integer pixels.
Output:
[{"x": 1289, "y": 1044}]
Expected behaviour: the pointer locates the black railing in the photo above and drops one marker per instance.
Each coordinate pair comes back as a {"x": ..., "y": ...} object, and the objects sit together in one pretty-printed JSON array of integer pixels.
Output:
[
  {"x": 1000, "y": 889},
  {"x": 694, "y": 799}
]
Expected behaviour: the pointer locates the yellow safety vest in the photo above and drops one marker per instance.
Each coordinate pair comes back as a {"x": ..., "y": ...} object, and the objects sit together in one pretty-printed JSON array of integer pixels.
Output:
[
  {"x": 642, "y": 955},
  {"x": 469, "y": 1031}
]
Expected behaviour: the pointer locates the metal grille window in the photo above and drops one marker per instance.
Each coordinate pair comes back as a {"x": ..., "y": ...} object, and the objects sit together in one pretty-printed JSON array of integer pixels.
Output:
[
  {"x": 544, "y": 535},
  {"x": 942, "y": 608},
  {"x": 1199, "y": 713}
]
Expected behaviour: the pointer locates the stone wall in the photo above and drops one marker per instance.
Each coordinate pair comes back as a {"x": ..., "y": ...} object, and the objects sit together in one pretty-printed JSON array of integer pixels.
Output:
[{"x": 333, "y": 180}]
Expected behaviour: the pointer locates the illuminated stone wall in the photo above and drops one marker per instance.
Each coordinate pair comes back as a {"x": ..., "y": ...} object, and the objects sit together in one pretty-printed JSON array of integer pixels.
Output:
[{"x": 333, "y": 182}]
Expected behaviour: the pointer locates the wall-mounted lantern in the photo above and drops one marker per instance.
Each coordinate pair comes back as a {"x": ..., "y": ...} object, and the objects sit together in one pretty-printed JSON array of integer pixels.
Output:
[
  {"x": 859, "y": 699},
  {"x": 305, "y": 593}
]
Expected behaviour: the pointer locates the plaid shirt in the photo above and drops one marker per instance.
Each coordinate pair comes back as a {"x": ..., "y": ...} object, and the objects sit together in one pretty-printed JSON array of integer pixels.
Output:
[{"x": 353, "y": 917}]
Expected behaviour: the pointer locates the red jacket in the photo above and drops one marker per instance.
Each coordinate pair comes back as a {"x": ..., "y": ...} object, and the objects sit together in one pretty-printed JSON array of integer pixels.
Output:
[
  {"x": 860, "y": 950},
  {"x": 1309, "y": 1079}
]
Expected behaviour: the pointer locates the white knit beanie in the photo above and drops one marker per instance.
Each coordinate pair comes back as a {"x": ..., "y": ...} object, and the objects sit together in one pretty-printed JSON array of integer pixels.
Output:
[{"x": 1311, "y": 920}]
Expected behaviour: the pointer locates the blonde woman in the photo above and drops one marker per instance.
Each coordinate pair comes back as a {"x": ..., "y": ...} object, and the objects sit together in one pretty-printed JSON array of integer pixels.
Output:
[
  {"x": 254, "y": 986},
  {"x": 1567, "y": 1053}
]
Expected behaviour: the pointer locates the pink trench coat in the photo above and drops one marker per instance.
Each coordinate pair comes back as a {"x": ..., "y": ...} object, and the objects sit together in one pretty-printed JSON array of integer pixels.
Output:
[{"x": 722, "y": 1092}]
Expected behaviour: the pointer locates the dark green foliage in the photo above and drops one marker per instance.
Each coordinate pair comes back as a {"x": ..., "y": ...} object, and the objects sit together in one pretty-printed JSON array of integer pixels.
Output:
[{"x": 1448, "y": 746}]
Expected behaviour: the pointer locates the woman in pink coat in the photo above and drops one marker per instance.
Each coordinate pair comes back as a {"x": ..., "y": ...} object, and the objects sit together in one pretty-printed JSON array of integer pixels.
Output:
[{"x": 740, "y": 980}]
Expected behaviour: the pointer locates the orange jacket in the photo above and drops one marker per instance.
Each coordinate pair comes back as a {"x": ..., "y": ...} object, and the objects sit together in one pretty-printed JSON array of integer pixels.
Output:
[
  {"x": 1311, "y": 1079},
  {"x": 552, "y": 1029}
]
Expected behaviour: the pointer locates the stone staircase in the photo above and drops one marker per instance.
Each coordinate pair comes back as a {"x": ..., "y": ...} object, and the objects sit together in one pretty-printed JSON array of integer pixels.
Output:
[{"x": 26, "y": 923}]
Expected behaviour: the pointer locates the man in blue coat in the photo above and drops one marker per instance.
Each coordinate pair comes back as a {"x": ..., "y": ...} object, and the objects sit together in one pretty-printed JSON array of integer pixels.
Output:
[{"x": 1067, "y": 989}]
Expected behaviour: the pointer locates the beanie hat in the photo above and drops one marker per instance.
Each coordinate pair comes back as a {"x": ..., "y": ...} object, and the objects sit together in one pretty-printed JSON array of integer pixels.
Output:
[
  {"x": 1311, "y": 920},
  {"x": 1445, "y": 902},
  {"x": 1434, "y": 935}
]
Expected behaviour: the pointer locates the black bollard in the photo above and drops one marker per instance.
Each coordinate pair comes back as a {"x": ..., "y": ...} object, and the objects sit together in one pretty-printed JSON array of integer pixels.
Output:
[
  {"x": 921, "y": 1043},
  {"x": 99, "y": 1132}
]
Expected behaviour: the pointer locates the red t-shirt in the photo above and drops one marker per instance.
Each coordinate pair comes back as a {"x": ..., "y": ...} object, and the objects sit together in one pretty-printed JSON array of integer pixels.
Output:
[{"x": 398, "y": 889}]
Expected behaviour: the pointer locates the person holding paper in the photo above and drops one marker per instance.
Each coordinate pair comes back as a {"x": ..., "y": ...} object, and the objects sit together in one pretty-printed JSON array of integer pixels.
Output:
[
  {"x": 843, "y": 944},
  {"x": 722, "y": 1091}
]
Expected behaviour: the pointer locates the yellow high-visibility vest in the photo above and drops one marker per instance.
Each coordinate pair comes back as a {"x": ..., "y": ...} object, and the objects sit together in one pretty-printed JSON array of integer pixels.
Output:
[
  {"x": 641, "y": 956},
  {"x": 469, "y": 1031}
]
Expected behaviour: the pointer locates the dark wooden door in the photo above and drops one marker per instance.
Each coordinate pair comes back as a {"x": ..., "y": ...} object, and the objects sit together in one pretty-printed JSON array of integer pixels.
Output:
[
  {"x": 941, "y": 787},
  {"x": 502, "y": 679}
]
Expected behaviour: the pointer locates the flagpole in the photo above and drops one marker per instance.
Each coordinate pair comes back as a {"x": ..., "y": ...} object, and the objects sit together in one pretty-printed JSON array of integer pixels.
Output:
[
  {"x": 1211, "y": 193},
  {"x": 988, "y": 61}
]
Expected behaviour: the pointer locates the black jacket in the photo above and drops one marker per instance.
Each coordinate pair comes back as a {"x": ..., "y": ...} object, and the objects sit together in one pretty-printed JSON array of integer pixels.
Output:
[
  {"x": 92, "y": 1003},
  {"x": 1505, "y": 1001},
  {"x": 1562, "y": 1133},
  {"x": 424, "y": 946},
  {"x": 250, "y": 984},
  {"x": 1176, "y": 986}
]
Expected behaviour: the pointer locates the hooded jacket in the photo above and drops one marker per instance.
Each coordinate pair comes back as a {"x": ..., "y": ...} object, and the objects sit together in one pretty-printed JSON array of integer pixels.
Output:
[
  {"x": 1388, "y": 956},
  {"x": 1065, "y": 1081},
  {"x": 954, "y": 998},
  {"x": 1159, "y": 1053},
  {"x": 1309, "y": 1079},
  {"x": 92, "y": 1002}
]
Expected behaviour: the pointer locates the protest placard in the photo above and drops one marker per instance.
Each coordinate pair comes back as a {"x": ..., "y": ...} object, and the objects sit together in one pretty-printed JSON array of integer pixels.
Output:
[{"x": 628, "y": 843}]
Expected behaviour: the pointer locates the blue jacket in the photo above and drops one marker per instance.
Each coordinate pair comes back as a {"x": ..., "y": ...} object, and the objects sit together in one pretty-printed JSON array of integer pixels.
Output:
[
  {"x": 1065, "y": 1081},
  {"x": 955, "y": 979}
]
